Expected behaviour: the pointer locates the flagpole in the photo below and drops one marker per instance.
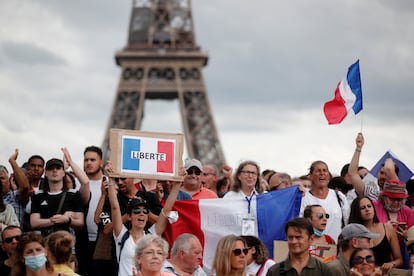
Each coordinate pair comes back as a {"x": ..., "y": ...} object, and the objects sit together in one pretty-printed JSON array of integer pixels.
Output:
[{"x": 362, "y": 119}]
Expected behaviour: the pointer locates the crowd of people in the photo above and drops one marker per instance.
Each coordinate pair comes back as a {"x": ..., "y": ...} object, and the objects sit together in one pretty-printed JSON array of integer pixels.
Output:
[{"x": 57, "y": 218}]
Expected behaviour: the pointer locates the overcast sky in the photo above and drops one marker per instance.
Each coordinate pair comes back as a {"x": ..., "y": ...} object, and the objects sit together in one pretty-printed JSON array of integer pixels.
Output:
[{"x": 272, "y": 66}]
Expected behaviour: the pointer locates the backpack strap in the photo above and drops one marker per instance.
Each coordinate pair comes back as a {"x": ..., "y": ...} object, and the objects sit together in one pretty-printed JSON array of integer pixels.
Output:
[
  {"x": 125, "y": 236},
  {"x": 261, "y": 268},
  {"x": 340, "y": 205}
]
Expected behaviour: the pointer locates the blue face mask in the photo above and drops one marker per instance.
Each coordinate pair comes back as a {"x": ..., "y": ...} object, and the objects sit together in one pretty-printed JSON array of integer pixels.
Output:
[
  {"x": 35, "y": 262},
  {"x": 318, "y": 233}
]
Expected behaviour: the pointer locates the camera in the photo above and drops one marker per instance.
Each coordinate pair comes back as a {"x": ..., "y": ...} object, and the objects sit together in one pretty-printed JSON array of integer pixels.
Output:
[{"x": 105, "y": 218}]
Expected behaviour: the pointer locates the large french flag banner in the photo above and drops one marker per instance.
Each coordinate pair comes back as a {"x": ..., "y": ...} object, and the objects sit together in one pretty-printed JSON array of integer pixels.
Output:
[
  {"x": 147, "y": 155},
  {"x": 211, "y": 219},
  {"x": 348, "y": 97}
]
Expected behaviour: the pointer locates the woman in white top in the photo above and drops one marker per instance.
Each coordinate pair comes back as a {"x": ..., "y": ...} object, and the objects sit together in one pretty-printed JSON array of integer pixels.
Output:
[
  {"x": 334, "y": 202},
  {"x": 137, "y": 214},
  {"x": 246, "y": 181}
]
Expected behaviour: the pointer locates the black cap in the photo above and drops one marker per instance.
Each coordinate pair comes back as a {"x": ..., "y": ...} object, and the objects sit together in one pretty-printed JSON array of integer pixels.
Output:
[
  {"x": 54, "y": 162},
  {"x": 136, "y": 201}
]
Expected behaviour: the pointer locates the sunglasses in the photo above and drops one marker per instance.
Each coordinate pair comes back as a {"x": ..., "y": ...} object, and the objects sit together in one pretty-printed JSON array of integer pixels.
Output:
[
  {"x": 196, "y": 172},
  {"x": 138, "y": 211},
  {"x": 119, "y": 178},
  {"x": 359, "y": 260},
  {"x": 320, "y": 216},
  {"x": 238, "y": 251},
  {"x": 10, "y": 239}
]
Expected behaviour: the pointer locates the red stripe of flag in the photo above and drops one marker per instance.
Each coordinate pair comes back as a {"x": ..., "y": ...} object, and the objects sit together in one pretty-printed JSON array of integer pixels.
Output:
[{"x": 167, "y": 165}]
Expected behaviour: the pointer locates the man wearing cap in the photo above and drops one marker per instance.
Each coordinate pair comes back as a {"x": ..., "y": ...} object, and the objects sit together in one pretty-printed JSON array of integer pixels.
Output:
[
  {"x": 55, "y": 207},
  {"x": 192, "y": 182},
  {"x": 352, "y": 236}
]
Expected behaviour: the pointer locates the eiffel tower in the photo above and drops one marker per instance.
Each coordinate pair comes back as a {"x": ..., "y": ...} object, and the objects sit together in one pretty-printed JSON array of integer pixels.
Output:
[{"x": 162, "y": 61}]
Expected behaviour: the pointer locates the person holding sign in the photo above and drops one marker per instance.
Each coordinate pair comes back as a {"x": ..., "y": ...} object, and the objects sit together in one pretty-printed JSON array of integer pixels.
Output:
[{"x": 137, "y": 214}]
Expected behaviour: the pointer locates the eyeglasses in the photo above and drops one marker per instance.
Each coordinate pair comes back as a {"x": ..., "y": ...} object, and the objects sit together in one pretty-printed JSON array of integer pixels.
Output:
[
  {"x": 196, "y": 172},
  {"x": 359, "y": 260},
  {"x": 119, "y": 178},
  {"x": 249, "y": 173},
  {"x": 10, "y": 239},
  {"x": 161, "y": 191},
  {"x": 238, "y": 251},
  {"x": 138, "y": 211},
  {"x": 321, "y": 215}
]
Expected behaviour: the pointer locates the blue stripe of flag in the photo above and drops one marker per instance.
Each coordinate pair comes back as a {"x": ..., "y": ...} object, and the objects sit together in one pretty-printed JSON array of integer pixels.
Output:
[
  {"x": 129, "y": 145},
  {"x": 274, "y": 210}
]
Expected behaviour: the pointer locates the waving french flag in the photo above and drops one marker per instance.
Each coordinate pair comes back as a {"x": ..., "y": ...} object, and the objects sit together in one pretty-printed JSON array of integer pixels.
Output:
[{"x": 348, "y": 97}]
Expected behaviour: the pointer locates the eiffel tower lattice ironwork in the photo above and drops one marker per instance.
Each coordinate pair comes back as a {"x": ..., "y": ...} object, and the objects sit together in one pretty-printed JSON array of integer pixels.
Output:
[{"x": 162, "y": 61}]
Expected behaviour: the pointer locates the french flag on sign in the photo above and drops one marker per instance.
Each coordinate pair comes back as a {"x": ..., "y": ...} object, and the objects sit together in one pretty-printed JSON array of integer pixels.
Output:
[
  {"x": 147, "y": 155},
  {"x": 348, "y": 97}
]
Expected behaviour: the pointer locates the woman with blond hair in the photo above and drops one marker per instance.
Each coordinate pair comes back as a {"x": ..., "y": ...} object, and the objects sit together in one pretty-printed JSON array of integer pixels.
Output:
[
  {"x": 230, "y": 258},
  {"x": 60, "y": 245}
]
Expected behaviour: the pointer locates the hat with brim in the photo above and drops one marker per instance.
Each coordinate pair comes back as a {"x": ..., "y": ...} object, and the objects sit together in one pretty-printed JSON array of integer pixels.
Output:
[
  {"x": 394, "y": 189},
  {"x": 136, "y": 201},
  {"x": 356, "y": 230},
  {"x": 54, "y": 162}
]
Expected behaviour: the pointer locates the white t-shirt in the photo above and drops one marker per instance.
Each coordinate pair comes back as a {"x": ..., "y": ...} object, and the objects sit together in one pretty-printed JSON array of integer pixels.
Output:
[
  {"x": 95, "y": 189},
  {"x": 126, "y": 261},
  {"x": 332, "y": 207}
]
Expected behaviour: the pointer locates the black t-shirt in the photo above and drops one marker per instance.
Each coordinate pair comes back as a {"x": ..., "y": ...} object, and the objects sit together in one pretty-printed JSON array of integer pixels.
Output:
[{"x": 46, "y": 204}]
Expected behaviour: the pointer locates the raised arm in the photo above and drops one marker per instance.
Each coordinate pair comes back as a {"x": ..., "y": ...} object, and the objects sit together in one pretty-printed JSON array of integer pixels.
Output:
[
  {"x": 84, "y": 189},
  {"x": 163, "y": 217},
  {"x": 389, "y": 167},
  {"x": 113, "y": 200},
  {"x": 20, "y": 177},
  {"x": 356, "y": 180}
]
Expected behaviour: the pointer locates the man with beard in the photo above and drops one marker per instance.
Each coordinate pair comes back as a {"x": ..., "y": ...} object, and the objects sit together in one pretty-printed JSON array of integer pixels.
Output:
[{"x": 90, "y": 193}]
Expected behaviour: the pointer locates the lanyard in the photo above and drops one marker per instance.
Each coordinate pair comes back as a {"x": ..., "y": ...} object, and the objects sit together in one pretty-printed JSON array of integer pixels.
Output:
[{"x": 249, "y": 200}]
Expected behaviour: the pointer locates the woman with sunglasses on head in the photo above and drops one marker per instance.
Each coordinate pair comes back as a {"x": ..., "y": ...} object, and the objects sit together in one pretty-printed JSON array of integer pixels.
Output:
[
  {"x": 137, "y": 216},
  {"x": 386, "y": 247},
  {"x": 319, "y": 218},
  {"x": 362, "y": 263},
  {"x": 31, "y": 257},
  {"x": 230, "y": 257}
]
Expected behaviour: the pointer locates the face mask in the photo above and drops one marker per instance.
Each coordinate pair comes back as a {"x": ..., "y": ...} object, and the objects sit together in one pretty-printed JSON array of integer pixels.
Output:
[
  {"x": 318, "y": 233},
  {"x": 35, "y": 262}
]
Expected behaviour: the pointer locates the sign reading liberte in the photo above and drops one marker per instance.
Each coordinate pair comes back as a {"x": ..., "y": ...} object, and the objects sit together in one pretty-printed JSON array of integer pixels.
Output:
[{"x": 142, "y": 154}]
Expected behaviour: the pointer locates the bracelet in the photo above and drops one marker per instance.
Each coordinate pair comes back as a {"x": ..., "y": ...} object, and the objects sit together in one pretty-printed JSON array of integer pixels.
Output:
[
  {"x": 163, "y": 213},
  {"x": 358, "y": 150}
]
